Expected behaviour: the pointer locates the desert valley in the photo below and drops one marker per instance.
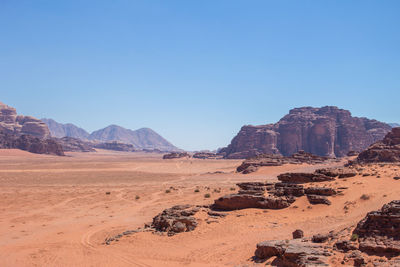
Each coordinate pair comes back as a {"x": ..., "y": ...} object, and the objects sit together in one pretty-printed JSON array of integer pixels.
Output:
[{"x": 318, "y": 188}]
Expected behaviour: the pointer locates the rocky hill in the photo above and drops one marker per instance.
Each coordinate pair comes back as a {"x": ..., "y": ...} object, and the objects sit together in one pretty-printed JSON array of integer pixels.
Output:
[
  {"x": 327, "y": 131},
  {"x": 143, "y": 138},
  {"x": 61, "y": 130},
  {"x": 394, "y": 125}
]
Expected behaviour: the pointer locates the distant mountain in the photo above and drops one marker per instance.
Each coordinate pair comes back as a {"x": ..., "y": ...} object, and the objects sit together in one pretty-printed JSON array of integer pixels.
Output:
[
  {"x": 394, "y": 125},
  {"x": 143, "y": 138},
  {"x": 60, "y": 130}
]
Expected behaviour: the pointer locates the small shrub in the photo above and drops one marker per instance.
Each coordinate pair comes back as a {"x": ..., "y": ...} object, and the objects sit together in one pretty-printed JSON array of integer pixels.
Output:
[
  {"x": 196, "y": 190},
  {"x": 108, "y": 193},
  {"x": 167, "y": 191},
  {"x": 354, "y": 237},
  {"x": 217, "y": 190},
  {"x": 137, "y": 197},
  {"x": 232, "y": 189},
  {"x": 207, "y": 195}
]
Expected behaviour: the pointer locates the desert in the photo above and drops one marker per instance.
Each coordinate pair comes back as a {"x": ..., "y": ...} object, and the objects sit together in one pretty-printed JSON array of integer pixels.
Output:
[{"x": 58, "y": 211}]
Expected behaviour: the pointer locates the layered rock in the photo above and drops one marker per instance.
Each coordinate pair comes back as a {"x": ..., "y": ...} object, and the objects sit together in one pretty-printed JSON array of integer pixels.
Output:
[
  {"x": 327, "y": 131},
  {"x": 294, "y": 252},
  {"x": 253, "y": 163},
  {"x": 386, "y": 150},
  {"x": 70, "y": 144},
  {"x": 30, "y": 143},
  {"x": 299, "y": 177},
  {"x": 206, "y": 155},
  {"x": 379, "y": 231},
  {"x": 246, "y": 201},
  {"x": 116, "y": 146},
  {"x": 12, "y": 123}
]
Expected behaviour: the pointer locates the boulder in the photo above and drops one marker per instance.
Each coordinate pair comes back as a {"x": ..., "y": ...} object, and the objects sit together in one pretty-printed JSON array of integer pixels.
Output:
[
  {"x": 294, "y": 252},
  {"x": 315, "y": 199},
  {"x": 176, "y": 219},
  {"x": 298, "y": 234},
  {"x": 321, "y": 191}
]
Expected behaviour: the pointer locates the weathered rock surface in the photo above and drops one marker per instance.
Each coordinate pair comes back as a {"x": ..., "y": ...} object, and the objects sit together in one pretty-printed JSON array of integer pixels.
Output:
[
  {"x": 321, "y": 191},
  {"x": 387, "y": 150},
  {"x": 176, "y": 155},
  {"x": 379, "y": 231},
  {"x": 252, "y": 164},
  {"x": 116, "y": 146},
  {"x": 206, "y": 155},
  {"x": 176, "y": 219},
  {"x": 327, "y": 131},
  {"x": 316, "y": 199},
  {"x": 30, "y": 143},
  {"x": 299, "y": 177},
  {"x": 245, "y": 201},
  {"x": 70, "y": 144},
  {"x": 12, "y": 123},
  {"x": 294, "y": 252}
]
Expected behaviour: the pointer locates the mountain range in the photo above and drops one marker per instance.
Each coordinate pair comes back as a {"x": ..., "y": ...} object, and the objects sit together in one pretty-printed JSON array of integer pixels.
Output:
[{"x": 144, "y": 138}]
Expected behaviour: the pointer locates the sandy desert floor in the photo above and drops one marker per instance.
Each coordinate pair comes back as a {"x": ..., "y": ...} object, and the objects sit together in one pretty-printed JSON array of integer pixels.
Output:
[{"x": 55, "y": 211}]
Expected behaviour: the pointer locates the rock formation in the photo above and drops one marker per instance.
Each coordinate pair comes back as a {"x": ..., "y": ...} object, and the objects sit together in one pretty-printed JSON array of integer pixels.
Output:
[
  {"x": 386, "y": 150},
  {"x": 12, "y": 123},
  {"x": 176, "y": 155},
  {"x": 25, "y": 133},
  {"x": 327, "y": 131},
  {"x": 116, "y": 146},
  {"x": 253, "y": 163},
  {"x": 71, "y": 144},
  {"x": 176, "y": 219},
  {"x": 379, "y": 231},
  {"x": 30, "y": 143}
]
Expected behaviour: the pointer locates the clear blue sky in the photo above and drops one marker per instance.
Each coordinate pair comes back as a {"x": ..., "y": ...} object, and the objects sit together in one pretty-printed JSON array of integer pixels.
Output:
[{"x": 196, "y": 71}]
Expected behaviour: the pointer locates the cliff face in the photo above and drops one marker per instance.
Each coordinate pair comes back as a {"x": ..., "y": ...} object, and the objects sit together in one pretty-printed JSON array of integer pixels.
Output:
[
  {"x": 25, "y": 133},
  {"x": 12, "y": 123},
  {"x": 327, "y": 131}
]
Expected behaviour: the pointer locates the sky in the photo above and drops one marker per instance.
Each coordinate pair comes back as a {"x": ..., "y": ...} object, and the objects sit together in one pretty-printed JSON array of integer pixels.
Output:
[{"x": 196, "y": 71}]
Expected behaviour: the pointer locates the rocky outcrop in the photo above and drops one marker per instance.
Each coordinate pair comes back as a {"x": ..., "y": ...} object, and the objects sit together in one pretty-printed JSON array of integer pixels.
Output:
[
  {"x": 318, "y": 199},
  {"x": 379, "y": 231},
  {"x": 327, "y": 131},
  {"x": 70, "y": 144},
  {"x": 176, "y": 219},
  {"x": 30, "y": 143},
  {"x": 116, "y": 146},
  {"x": 246, "y": 201},
  {"x": 206, "y": 155},
  {"x": 176, "y": 155},
  {"x": 12, "y": 123},
  {"x": 294, "y": 252},
  {"x": 299, "y": 177},
  {"x": 387, "y": 150},
  {"x": 252, "y": 164}
]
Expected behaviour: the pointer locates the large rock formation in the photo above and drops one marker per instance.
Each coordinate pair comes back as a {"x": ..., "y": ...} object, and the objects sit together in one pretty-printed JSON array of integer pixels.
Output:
[
  {"x": 25, "y": 133},
  {"x": 30, "y": 143},
  {"x": 387, "y": 150},
  {"x": 12, "y": 123},
  {"x": 71, "y": 144},
  {"x": 327, "y": 131}
]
